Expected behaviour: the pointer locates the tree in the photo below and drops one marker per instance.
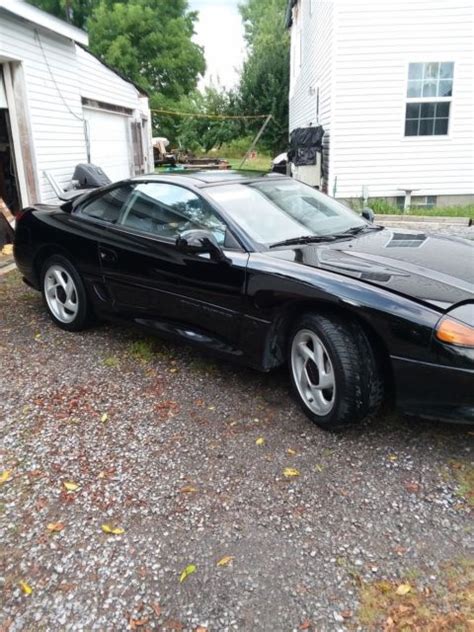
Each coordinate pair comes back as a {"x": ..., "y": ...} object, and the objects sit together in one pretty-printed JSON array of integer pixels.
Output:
[
  {"x": 74, "y": 11},
  {"x": 264, "y": 82},
  {"x": 207, "y": 131},
  {"x": 149, "y": 41}
]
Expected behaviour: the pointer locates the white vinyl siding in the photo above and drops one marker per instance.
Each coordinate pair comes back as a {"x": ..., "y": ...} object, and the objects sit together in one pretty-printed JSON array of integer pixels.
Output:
[
  {"x": 56, "y": 119},
  {"x": 376, "y": 42},
  {"x": 58, "y": 74},
  {"x": 359, "y": 53},
  {"x": 313, "y": 84},
  {"x": 101, "y": 84}
]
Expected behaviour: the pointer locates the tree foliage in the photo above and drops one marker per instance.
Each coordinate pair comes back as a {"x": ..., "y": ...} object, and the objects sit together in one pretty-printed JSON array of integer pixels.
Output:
[
  {"x": 264, "y": 81},
  {"x": 74, "y": 11},
  {"x": 150, "y": 42}
]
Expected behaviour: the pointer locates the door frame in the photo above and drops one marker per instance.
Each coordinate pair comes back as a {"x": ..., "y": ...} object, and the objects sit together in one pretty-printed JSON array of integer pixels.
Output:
[{"x": 21, "y": 133}]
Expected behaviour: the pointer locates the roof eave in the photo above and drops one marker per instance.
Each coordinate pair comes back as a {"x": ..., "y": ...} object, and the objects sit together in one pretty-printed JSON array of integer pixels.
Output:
[{"x": 46, "y": 21}]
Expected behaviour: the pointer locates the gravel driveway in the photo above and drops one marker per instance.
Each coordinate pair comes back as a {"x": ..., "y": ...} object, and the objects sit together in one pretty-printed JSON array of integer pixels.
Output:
[{"x": 108, "y": 430}]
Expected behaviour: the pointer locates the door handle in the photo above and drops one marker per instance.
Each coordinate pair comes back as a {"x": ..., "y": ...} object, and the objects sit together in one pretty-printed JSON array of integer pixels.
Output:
[{"x": 107, "y": 256}]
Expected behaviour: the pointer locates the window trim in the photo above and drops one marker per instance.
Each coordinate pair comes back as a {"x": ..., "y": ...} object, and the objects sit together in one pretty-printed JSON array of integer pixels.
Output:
[{"x": 406, "y": 100}]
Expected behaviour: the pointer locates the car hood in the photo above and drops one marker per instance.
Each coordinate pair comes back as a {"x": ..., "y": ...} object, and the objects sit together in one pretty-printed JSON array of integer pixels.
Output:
[{"x": 435, "y": 269}]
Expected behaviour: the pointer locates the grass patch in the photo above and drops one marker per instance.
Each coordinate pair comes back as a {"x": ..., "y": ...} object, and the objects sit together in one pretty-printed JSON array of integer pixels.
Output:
[
  {"x": 112, "y": 362},
  {"x": 142, "y": 350},
  {"x": 463, "y": 473},
  {"x": 260, "y": 163},
  {"x": 447, "y": 606},
  {"x": 382, "y": 207}
]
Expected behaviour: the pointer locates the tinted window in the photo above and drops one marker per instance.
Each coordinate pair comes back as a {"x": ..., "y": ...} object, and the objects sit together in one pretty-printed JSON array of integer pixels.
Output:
[
  {"x": 108, "y": 206},
  {"x": 167, "y": 210}
]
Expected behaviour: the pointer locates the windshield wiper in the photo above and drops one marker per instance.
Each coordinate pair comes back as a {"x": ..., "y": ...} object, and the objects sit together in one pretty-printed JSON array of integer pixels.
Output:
[
  {"x": 313, "y": 239},
  {"x": 304, "y": 239},
  {"x": 356, "y": 230}
]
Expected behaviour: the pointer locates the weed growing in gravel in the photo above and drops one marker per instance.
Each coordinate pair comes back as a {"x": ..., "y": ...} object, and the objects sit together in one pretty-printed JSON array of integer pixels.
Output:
[
  {"x": 10, "y": 281},
  {"x": 463, "y": 473},
  {"x": 112, "y": 362},
  {"x": 142, "y": 350},
  {"x": 396, "y": 607}
]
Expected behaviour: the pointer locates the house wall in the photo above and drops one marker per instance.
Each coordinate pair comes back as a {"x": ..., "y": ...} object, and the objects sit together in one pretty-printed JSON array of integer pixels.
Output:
[
  {"x": 57, "y": 74},
  {"x": 312, "y": 23},
  {"x": 375, "y": 42},
  {"x": 55, "y": 121}
]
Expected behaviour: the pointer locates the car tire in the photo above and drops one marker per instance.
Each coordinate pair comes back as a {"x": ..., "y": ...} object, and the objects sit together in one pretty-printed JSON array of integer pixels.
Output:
[
  {"x": 334, "y": 371},
  {"x": 64, "y": 294}
]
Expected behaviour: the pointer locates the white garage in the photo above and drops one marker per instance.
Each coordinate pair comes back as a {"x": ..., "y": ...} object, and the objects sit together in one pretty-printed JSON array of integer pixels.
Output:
[{"x": 61, "y": 106}]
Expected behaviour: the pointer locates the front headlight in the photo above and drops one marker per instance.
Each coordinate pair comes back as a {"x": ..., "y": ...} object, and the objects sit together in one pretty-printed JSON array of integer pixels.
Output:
[{"x": 453, "y": 332}]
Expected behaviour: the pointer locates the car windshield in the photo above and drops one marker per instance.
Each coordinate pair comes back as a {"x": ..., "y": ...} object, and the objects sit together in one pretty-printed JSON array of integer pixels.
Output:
[{"x": 274, "y": 211}]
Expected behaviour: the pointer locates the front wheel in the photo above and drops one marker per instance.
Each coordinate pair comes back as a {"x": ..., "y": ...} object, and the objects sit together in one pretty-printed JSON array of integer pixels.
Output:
[
  {"x": 64, "y": 294},
  {"x": 333, "y": 371}
]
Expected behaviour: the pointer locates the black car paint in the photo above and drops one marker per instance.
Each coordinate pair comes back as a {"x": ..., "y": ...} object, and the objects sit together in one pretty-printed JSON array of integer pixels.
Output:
[{"x": 243, "y": 307}]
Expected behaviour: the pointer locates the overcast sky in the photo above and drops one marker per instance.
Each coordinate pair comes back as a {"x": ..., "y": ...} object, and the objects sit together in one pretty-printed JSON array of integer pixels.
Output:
[{"x": 220, "y": 31}]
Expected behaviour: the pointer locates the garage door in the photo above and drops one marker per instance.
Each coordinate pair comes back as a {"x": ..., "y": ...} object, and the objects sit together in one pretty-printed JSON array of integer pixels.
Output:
[{"x": 109, "y": 139}]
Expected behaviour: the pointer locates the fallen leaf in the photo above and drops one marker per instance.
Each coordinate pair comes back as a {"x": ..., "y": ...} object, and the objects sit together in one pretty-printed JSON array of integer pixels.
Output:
[
  {"x": 346, "y": 614},
  {"x": 5, "y": 476},
  {"x": 305, "y": 625},
  {"x": 403, "y": 589},
  {"x": 107, "y": 528},
  {"x": 260, "y": 441},
  {"x": 392, "y": 457},
  {"x": 137, "y": 623},
  {"x": 55, "y": 527},
  {"x": 174, "y": 370},
  {"x": 412, "y": 487},
  {"x": 104, "y": 418},
  {"x": 71, "y": 487},
  {"x": 188, "y": 489},
  {"x": 201, "y": 628},
  {"x": 226, "y": 560},
  {"x": 318, "y": 468},
  {"x": 26, "y": 588},
  {"x": 156, "y": 608},
  {"x": 189, "y": 570},
  {"x": 291, "y": 452},
  {"x": 290, "y": 471}
]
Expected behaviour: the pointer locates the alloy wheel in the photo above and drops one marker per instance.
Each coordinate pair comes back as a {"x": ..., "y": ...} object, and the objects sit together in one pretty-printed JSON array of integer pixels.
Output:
[
  {"x": 313, "y": 372},
  {"x": 61, "y": 293}
]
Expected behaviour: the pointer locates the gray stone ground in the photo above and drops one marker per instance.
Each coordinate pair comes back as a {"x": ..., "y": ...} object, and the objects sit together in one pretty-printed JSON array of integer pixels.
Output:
[{"x": 175, "y": 464}]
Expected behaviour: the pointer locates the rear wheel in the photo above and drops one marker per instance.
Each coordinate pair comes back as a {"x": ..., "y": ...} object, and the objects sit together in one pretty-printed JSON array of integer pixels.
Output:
[
  {"x": 64, "y": 294},
  {"x": 333, "y": 370}
]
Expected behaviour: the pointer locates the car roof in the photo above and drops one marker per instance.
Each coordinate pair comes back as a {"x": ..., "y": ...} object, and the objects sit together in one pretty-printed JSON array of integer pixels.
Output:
[{"x": 208, "y": 177}]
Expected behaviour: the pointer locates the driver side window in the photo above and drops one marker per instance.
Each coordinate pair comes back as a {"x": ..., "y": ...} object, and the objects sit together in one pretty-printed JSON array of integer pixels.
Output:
[{"x": 167, "y": 210}]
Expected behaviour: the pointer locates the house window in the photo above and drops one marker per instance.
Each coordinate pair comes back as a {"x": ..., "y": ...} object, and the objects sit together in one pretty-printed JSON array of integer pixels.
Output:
[{"x": 429, "y": 94}]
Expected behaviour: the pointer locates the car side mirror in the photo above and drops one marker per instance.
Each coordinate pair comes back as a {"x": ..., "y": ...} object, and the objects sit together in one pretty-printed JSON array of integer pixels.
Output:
[
  {"x": 200, "y": 241},
  {"x": 368, "y": 214}
]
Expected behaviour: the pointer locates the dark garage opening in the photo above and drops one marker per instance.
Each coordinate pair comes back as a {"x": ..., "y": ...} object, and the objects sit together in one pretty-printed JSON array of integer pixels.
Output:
[{"x": 8, "y": 179}]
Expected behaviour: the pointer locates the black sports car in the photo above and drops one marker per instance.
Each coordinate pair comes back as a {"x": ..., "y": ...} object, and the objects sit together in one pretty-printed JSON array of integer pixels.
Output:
[{"x": 268, "y": 271}]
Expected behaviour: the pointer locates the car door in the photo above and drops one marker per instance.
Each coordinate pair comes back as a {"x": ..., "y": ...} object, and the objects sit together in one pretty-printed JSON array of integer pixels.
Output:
[
  {"x": 82, "y": 233},
  {"x": 151, "y": 280}
]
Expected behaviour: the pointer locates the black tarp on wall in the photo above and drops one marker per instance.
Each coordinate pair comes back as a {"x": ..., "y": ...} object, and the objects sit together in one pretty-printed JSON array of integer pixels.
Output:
[{"x": 305, "y": 142}]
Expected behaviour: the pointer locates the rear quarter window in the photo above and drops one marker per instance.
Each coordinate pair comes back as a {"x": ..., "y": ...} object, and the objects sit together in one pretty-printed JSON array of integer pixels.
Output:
[{"x": 108, "y": 206}]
